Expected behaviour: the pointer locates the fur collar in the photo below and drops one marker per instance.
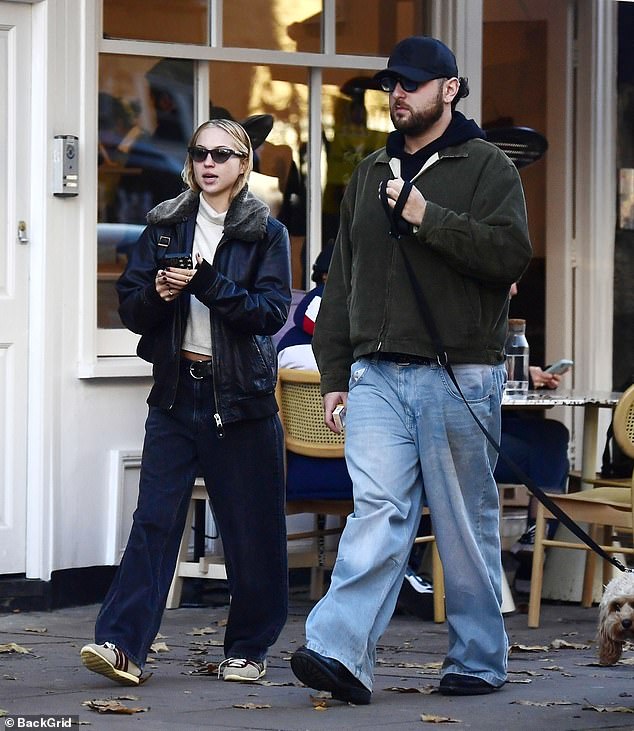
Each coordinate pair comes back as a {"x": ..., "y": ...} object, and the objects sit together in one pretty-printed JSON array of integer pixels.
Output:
[{"x": 246, "y": 218}]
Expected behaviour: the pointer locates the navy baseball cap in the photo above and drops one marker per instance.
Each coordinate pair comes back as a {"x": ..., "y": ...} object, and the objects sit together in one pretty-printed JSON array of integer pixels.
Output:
[{"x": 420, "y": 58}]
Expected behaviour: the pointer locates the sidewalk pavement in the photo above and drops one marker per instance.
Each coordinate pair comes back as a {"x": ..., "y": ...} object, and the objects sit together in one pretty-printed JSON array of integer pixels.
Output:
[{"x": 554, "y": 679}]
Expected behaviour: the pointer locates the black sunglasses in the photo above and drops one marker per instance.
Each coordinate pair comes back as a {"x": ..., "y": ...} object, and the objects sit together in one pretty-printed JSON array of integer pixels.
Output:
[
  {"x": 388, "y": 83},
  {"x": 218, "y": 154}
]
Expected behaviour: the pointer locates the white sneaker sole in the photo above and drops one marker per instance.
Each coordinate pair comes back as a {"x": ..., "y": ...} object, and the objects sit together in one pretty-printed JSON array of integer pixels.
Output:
[{"x": 98, "y": 664}]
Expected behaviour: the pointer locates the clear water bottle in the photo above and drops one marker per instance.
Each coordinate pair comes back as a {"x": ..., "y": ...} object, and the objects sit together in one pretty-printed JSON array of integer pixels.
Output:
[{"x": 516, "y": 350}]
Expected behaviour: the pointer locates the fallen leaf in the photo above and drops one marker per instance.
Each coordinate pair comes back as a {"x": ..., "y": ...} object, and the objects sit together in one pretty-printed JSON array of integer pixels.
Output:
[
  {"x": 271, "y": 684},
  {"x": 528, "y": 648},
  {"x": 199, "y": 631},
  {"x": 565, "y": 645},
  {"x": 39, "y": 630},
  {"x": 426, "y": 690},
  {"x": 252, "y": 706},
  {"x": 320, "y": 702},
  {"x": 520, "y": 680},
  {"x": 110, "y": 705},
  {"x": 428, "y": 718},
  {"x": 552, "y": 667},
  {"x": 208, "y": 668},
  {"x": 534, "y": 673},
  {"x": 159, "y": 647},
  {"x": 544, "y": 704},
  {"x": 607, "y": 709},
  {"x": 3, "y": 712},
  {"x": 13, "y": 647}
]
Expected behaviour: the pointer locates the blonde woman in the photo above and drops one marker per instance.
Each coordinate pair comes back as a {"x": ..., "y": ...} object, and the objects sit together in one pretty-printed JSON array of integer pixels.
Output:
[{"x": 207, "y": 285}]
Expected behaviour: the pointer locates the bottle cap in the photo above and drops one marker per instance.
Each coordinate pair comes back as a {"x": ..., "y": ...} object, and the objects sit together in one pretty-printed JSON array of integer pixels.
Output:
[{"x": 516, "y": 324}]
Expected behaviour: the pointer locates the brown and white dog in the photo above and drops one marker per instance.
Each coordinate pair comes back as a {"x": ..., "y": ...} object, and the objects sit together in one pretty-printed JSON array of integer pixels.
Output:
[{"x": 616, "y": 618}]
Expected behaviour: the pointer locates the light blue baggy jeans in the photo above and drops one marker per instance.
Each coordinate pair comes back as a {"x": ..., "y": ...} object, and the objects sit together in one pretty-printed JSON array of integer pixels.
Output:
[{"x": 408, "y": 426}]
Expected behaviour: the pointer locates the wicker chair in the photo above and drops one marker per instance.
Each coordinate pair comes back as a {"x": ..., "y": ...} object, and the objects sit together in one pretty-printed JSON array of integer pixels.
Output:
[
  {"x": 605, "y": 509},
  {"x": 310, "y": 445}
]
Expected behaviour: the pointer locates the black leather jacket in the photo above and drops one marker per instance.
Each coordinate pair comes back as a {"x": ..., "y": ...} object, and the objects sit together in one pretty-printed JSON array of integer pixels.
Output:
[{"x": 247, "y": 290}]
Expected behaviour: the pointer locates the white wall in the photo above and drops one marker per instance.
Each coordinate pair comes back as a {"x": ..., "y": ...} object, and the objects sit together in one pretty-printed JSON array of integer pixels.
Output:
[{"x": 74, "y": 424}]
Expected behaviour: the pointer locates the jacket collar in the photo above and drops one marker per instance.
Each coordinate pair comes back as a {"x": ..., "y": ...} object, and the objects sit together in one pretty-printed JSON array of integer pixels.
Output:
[{"x": 246, "y": 218}]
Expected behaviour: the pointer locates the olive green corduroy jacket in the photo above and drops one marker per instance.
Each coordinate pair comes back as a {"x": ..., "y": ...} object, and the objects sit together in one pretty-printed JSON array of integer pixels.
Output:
[{"x": 472, "y": 244}]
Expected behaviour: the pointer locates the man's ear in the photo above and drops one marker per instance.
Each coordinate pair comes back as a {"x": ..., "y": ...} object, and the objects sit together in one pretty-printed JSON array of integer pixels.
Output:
[{"x": 450, "y": 90}]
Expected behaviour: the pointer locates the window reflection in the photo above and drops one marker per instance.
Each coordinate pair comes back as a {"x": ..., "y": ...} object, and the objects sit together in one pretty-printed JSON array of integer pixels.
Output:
[
  {"x": 145, "y": 121},
  {"x": 282, "y": 25},
  {"x": 385, "y": 22},
  {"x": 279, "y": 175},
  {"x": 175, "y": 21},
  {"x": 355, "y": 123}
]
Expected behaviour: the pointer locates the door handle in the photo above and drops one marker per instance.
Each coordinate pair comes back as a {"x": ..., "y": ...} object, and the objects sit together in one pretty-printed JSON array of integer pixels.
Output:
[{"x": 22, "y": 237}]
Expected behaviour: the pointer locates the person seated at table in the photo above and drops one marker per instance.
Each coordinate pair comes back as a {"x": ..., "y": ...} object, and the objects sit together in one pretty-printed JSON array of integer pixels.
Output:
[
  {"x": 295, "y": 349},
  {"x": 539, "y": 447}
]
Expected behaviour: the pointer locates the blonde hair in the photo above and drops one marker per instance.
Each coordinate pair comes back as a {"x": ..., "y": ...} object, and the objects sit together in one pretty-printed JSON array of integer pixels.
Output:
[{"x": 242, "y": 143}]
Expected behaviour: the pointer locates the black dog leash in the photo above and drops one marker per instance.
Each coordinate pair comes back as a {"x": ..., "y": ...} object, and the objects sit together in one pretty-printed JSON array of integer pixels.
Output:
[{"x": 443, "y": 361}]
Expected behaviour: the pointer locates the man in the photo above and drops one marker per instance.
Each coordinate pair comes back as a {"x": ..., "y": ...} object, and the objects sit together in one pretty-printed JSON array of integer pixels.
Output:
[{"x": 463, "y": 228}]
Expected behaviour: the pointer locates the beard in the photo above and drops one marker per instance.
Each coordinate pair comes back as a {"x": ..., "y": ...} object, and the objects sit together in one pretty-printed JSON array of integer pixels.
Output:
[{"x": 422, "y": 120}]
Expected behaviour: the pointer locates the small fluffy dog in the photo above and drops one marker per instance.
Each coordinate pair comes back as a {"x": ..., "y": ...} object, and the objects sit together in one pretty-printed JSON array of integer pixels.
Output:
[{"x": 616, "y": 618}]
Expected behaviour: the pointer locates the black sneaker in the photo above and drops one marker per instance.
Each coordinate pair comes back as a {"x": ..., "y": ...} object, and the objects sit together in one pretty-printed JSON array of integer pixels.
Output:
[{"x": 526, "y": 542}]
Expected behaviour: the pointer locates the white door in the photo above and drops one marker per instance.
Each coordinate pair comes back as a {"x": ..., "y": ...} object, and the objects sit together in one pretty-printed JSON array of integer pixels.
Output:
[{"x": 15, "y": 86}]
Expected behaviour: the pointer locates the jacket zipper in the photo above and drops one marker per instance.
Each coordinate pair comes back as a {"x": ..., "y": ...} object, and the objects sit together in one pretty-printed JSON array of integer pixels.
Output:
[{"x": 220, "y": 429}]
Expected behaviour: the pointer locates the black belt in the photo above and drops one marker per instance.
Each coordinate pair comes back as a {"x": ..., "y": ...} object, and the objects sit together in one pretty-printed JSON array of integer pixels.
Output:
[
  {"x": 199, "y": 369},
  {"x": 404, "y": 358}
]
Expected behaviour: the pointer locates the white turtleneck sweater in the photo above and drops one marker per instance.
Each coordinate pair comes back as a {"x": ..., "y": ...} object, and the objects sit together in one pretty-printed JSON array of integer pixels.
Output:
[{"x": 208, "y": 232}]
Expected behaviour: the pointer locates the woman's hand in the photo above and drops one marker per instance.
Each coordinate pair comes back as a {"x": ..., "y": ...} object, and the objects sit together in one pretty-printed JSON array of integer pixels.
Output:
[
  {"x": 170, "y": 282},
  {"x": 541, "y": 379}
]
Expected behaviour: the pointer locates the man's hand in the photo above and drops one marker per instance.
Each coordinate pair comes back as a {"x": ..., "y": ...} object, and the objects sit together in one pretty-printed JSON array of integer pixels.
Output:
[
  {"x": 415, "y": 206},
  {"x": 331, "y": 401}
]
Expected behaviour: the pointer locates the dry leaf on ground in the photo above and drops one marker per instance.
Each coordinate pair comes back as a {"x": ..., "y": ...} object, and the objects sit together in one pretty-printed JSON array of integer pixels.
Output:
[
  {"x": 425, "y": 690},
  {"x": 565, "y": 645},
  {"x": 159, "y": 647},
  {"x": 13, "y": 647},
  {"x": 607, "y": 709},
  {"x": 528, "y": 648},
  {"x": 429, "y": 718},
  {"x": 110, "y": 705},
  {"x": 252, "y": 706},
  {"x": 38, "y": 630},
  {"x": 199, "y": 631},
  {"x": 544, "y": 704}
]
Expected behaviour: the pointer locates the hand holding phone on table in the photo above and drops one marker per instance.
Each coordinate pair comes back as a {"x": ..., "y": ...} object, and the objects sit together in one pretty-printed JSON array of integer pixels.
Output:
[{"x": 559, "y": 367}]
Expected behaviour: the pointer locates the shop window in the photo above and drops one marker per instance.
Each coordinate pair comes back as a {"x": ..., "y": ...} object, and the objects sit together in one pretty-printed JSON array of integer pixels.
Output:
[
  {"x": 239, "y": 90},
  {"x": 384, "y": 23},
  {"x": 146, "y": 118},
  {"x": 174, "y": 21},
  {"x": 285, "y": 25},
  {"x": 356, "y": 122}
]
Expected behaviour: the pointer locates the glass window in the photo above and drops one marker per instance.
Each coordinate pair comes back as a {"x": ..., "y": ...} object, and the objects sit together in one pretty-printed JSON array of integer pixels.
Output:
[
  {"x": 175, "y": 21},
  {"x": 384, "y": 23},
  {"x": 145, "y": 121},
  {"x": 356, "y": 121},
  {"x": 240, "y": 90},
  {"x": 284, "y": 25}
]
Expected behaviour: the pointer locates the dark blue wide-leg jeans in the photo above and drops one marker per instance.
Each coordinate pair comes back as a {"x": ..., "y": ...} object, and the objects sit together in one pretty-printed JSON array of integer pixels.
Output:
[{"x": 244, "y": 475}]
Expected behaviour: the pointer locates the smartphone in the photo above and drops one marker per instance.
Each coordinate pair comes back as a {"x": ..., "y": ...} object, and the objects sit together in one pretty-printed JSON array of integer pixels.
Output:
[
  {"x": 339, "y": 416},
  {"x": 561, "y": 366},
  {"x": 178, "y": 261}
]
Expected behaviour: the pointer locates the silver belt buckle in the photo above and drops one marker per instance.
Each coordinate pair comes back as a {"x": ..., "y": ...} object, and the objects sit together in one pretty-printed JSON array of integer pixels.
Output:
[{"x": 192, "y": 374}]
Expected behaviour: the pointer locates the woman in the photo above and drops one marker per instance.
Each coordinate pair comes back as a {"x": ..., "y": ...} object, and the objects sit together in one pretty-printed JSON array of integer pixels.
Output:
[{"x": 212, "y": 411}]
